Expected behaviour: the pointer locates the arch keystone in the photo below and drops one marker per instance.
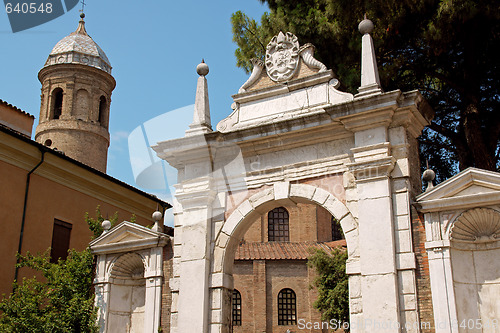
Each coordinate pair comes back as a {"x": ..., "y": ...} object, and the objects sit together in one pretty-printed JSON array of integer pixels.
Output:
[
  {"x": 281, "y": 190},
  {"x": 302, "y": 191}
]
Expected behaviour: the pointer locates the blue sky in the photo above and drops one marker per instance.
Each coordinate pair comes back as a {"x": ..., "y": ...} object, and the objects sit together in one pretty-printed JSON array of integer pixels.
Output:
[{"x": 154, "y": 48}]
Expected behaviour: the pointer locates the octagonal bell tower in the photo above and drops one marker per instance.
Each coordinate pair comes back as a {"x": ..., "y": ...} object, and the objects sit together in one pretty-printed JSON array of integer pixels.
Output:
[{"x": 76, "y": 95}]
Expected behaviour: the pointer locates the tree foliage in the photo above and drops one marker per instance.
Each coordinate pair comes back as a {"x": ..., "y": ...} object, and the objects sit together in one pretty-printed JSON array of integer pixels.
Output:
[
  {"x": 332, "y": 284},
  {"x": 95, "y": 224},
  {"x": 62, "y": 301},
  {"x": 444, "y": 48}
]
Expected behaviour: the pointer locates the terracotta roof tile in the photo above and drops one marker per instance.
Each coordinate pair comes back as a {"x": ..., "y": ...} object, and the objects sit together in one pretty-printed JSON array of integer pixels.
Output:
[
  {"x": 15, "y": 108},
  {"x": 281, "y": 250}
]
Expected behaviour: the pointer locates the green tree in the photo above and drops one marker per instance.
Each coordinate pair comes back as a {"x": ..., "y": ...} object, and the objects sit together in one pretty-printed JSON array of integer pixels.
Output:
[
  {"x": 332, "y": 284},
  {"x": 61, "y": 302},
  {"x": 444, "y": 48}
]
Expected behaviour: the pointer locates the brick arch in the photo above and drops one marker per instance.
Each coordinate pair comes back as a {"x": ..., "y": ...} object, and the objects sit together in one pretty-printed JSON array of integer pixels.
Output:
[{"x": 242, "y": 217}]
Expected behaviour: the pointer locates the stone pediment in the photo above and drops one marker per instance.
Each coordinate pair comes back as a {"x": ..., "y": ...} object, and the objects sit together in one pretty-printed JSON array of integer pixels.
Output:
[
  {"x": 289, "y": 83},
  {"x": 471, "y": 187},
  {"x": 128, "y": 236}
]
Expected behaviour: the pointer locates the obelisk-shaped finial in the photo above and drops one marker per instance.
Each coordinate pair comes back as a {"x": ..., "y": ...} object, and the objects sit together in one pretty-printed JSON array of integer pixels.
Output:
[
  {"x": 201, "y": 118},
  {"x": 370, "y": 81}
]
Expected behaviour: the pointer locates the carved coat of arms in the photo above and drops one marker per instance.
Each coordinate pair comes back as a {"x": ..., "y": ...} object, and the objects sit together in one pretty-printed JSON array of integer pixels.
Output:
[{"x": 282, "y": 56}]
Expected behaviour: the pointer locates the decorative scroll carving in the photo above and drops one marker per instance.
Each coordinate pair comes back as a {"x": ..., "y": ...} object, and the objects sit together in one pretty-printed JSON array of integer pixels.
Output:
[
  {"x": 229, "y": 122},
  {"x": 307, "y": 54},
  {"x": 480, "y": 225},
  {"x": 258, "y": 66},
  {"x": 282, "y": 57}
]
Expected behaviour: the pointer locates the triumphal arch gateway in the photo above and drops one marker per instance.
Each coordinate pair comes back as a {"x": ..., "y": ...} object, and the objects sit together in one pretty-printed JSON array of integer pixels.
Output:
[{"x": 293, "y": 137}]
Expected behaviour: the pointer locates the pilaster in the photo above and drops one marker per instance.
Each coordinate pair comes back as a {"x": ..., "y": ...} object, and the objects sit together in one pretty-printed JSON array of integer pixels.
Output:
[
  {"x": 196, "y": 198},
  {"x": 378, "y": 282}
]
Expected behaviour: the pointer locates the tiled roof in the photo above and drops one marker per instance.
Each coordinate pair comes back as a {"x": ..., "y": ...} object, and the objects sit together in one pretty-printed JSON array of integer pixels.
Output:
[
  {"x": 15, "y": 108},
  {"x": 281, "y": 250},
  {"x": 78, "y": 47}
]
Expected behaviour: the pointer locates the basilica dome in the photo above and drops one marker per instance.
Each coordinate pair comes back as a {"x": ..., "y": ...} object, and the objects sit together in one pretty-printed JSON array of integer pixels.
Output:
[{"x": 79, "y": 48}]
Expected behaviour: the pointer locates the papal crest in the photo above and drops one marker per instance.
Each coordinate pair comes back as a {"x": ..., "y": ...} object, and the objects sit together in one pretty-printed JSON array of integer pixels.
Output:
[{"x": 282, "y": 56}]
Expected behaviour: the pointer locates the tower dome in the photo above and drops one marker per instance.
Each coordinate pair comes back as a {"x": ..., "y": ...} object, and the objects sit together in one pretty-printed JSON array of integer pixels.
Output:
[
  {"x": 79, "y": 48},
  {"x": 76, "y": 94}
]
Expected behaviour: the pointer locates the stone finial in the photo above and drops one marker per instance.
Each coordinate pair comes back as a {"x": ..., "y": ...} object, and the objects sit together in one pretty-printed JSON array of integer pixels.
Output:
[
  {"x": 428, "y": 176},
  {"x": 366, "y": 26},
  {"x": 202, "y": 68},
  {"x": 106, "y": 225},
  {"x": 370, "y": 81},
  {"x": 81, "y": 26},
  {"x": 157, "y": 217},
  {"x": 201, "y": 119}
]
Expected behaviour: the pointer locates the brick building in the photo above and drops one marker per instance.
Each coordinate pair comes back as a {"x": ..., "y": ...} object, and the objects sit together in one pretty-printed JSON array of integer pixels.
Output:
[{"x": 272, "y": 281}]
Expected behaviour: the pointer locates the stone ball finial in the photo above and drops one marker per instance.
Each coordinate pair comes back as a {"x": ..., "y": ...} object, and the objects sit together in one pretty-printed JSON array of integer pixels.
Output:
[
  {"x": 366, "y": 26},
  {"x": 82, "y": 15},
  {"x": 202, "y": 68},
  {"x": 157, "y": 216},
  {"x": 428, "y": 175},
  {"x": 106, "y": 225}
]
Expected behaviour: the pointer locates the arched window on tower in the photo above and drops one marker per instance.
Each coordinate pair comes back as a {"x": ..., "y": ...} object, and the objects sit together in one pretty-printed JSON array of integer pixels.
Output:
[
  {"x": 236, "y": 304},
  {"x": 287, "y": 307},
  {"x": 102, "y": 111},
  {"x": 57, "y": 102},
  {"x": 337, "y": 233},
  {"x": 277, "y": 225}
]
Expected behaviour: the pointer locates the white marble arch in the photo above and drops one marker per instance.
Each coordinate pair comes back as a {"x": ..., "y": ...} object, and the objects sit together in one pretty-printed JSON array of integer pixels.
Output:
[{"x": 241, "y": 219}]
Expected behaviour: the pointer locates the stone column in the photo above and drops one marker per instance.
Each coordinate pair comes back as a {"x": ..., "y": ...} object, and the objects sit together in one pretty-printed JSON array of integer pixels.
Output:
[
  {"x": 371, "y": 168},
  {"x": 443, "y": 294},
  {"x": 101, "y": 286},
  {"x": 153, "y": 304},
  {"x": 195, "y": 197},
  {"x": 440, "y": 273}
]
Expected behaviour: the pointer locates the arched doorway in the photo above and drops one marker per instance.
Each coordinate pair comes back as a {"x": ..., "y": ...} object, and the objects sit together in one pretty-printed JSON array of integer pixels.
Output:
[{"x": 241, "y": 220}]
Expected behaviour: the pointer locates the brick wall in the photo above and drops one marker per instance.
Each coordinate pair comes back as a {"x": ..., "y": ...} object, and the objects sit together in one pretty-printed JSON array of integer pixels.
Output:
[
  {"x": 259, "y": 283},
  {"x": 307, "y": 222},
  {"x": 166, "y": 294},
  {"x": 424, "y": 297}
]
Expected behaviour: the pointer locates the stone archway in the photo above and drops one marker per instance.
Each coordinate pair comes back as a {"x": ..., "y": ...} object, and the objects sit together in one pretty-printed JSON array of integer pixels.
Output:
[{"x": 240, "y": 221}]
